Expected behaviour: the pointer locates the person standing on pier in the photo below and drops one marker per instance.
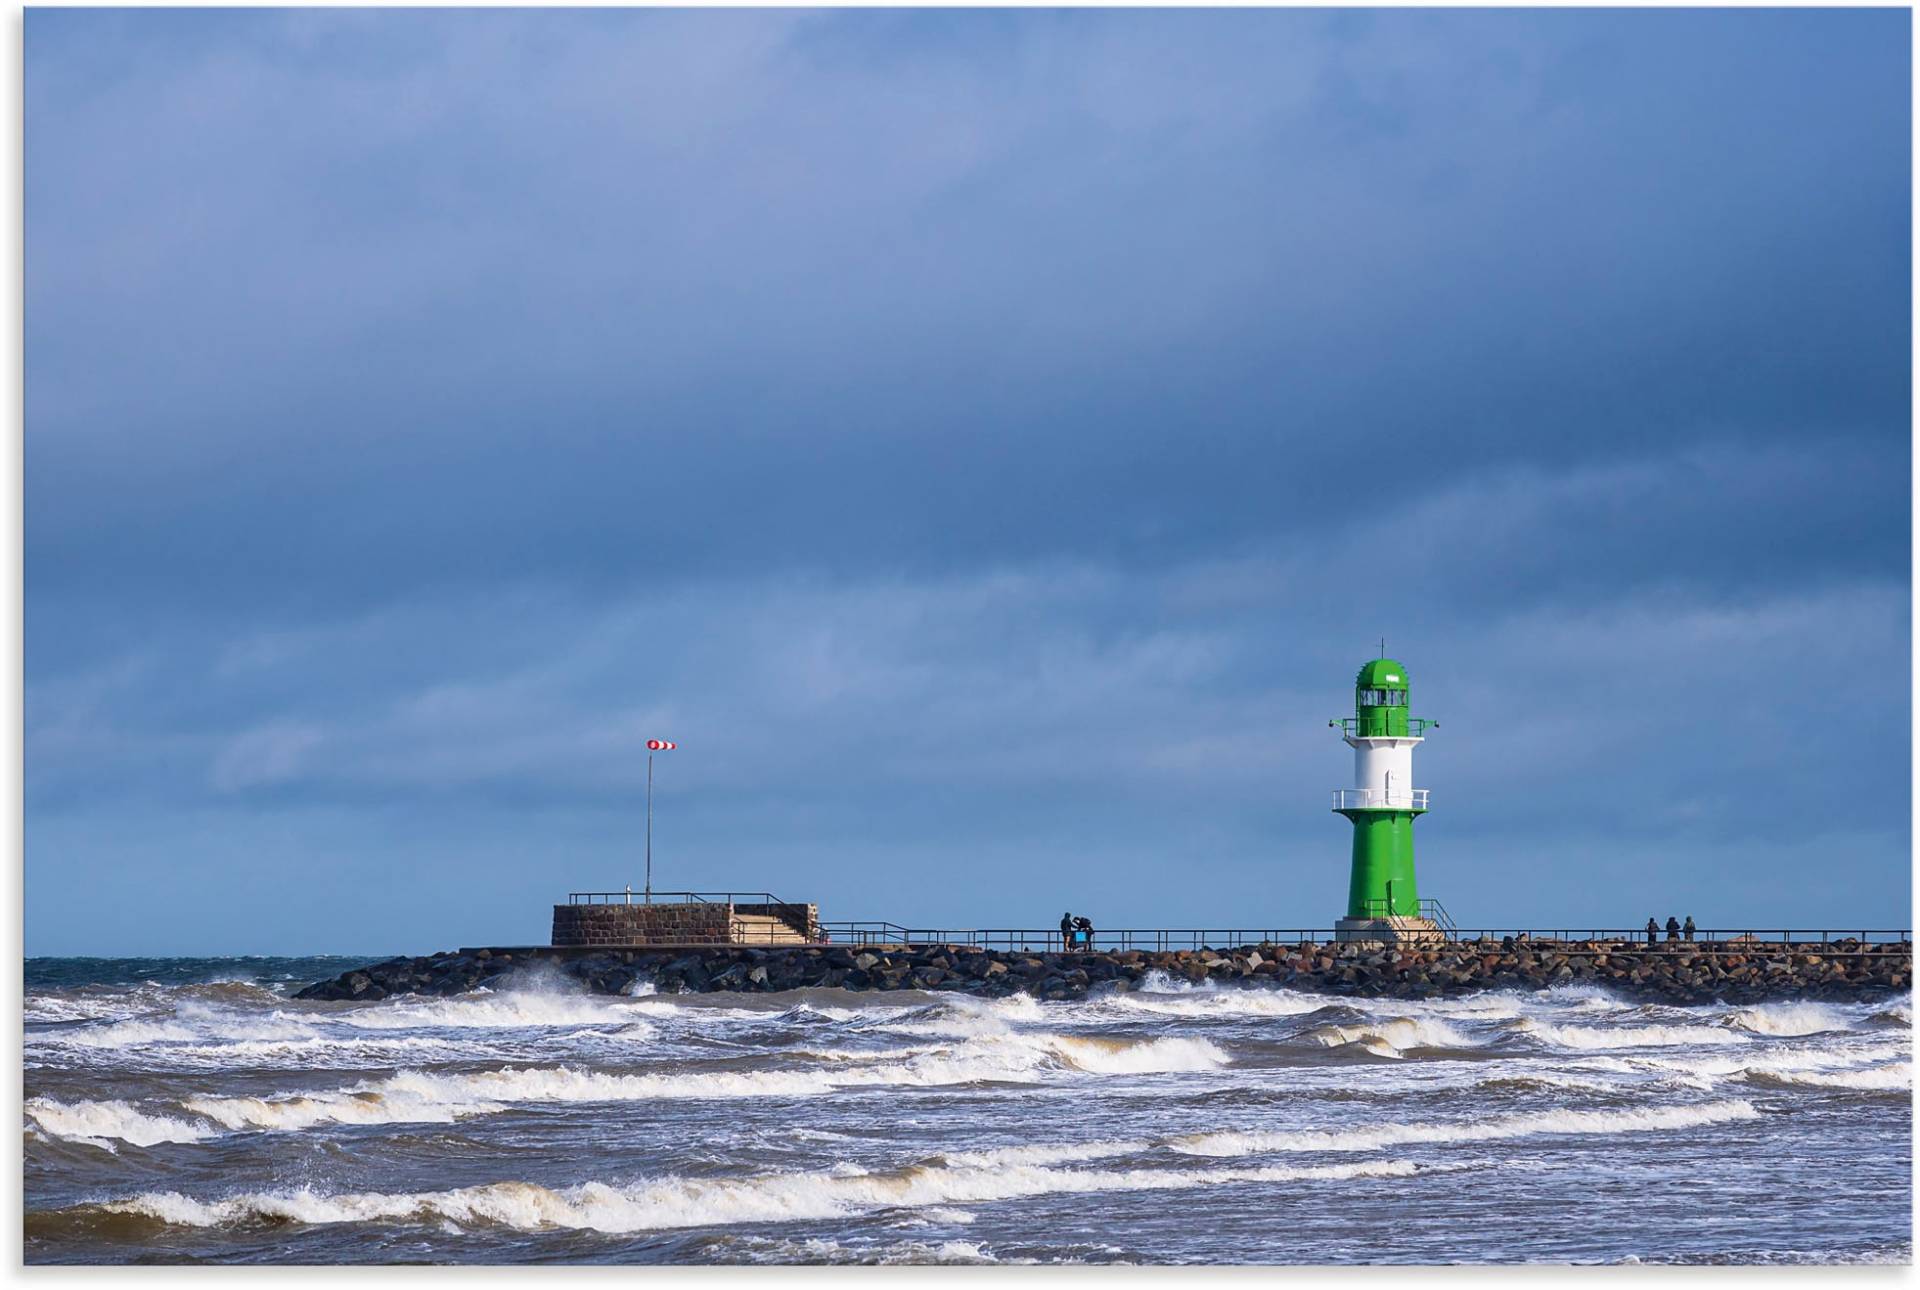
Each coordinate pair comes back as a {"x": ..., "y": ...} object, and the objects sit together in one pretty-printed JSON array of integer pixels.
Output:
[
  {"x": 1687, "y": 929},
  {"x": 1653, "y": 933},
  {"x": 1066, "y": 931},
  {"x": 1084, "y": 926},
  {"x": 1673, "y": 928}
]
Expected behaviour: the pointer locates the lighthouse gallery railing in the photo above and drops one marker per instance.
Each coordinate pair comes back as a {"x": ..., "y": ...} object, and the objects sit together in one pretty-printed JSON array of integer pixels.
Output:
[
  {"x": 1417, "y": 728},
  {"x": 1363, "y": 799}
]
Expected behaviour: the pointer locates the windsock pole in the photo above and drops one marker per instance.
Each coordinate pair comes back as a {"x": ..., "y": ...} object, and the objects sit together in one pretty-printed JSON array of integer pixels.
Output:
[{"x": 653, "y": 746}]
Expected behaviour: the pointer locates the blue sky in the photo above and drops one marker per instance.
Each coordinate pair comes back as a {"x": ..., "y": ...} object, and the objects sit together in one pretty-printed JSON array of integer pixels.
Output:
[{"x": 988, "y": 442}]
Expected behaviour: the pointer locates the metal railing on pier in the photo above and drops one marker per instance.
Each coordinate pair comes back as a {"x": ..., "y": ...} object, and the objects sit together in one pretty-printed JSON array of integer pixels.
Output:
[
  {"x": 632, "y": 897},
  {"x": 1166, "y": 939},
  {"x": 1728, "y": 940},
  {"x": 1038, "y": 940}
]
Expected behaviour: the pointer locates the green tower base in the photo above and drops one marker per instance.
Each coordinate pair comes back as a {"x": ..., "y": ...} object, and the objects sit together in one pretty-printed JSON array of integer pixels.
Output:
[{"x": 1382, "y": 885}]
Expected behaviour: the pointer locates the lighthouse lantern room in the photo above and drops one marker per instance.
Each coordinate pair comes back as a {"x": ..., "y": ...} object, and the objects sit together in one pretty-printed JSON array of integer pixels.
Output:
[{"x": 1383, "y": 897}]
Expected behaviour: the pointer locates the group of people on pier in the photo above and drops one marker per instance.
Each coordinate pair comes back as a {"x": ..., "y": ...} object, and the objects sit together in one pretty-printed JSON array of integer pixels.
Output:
[
  {"x": 1675, "y": 929},
  {"x": 1076, "y": 933}
]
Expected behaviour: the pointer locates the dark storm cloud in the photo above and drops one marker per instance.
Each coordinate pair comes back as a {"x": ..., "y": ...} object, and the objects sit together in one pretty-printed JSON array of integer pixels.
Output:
[{"x": 1015, "y": 411}]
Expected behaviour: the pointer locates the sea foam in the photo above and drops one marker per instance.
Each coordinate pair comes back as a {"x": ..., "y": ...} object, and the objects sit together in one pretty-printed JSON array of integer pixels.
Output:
[
  {"x": 416, "y": 1097},
  {"x": 1238, "y": 1143},
  {"x": 704, "y": 1202},
  {"x": 1600, "y": 1037},
  {"x": 1650, "y": 1119},
  {"x": 100, "y": 1123},
  {"x": 1896, "y": 1077},
  {"x": 1787, "y": 1019},
  {"x": 1390, "y": 1036}
]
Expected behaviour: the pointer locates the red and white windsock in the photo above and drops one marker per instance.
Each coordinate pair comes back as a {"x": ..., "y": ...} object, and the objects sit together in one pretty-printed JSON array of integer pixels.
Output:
[{"x": 660, "y": 745}]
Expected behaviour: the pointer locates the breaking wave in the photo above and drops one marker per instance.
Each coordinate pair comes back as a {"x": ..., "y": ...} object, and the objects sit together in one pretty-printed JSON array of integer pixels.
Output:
[
  {"x": 516, "y": 1009},
  {"x": 100, "y": 1123},
  {"x": 119, "y": 1034},
  {"x": 1787, "y": 1019},
  {"x": 1702, "y": 1070},
  {"x": 55, "y": 1008},
  {"x": 1391, "y": 1036},
  {"x": 1232, "y": 1143},
  {"x": 815, "y": 1249},
  {"x": 1105, "y": 1056},
  {"x": 1898, "y": 1015},
  {"x": 691, "y": 1202},
  {"x": 1160, "y": 995},
  {"x": 1874, "y": 1078},
  {"x": 1545, "y": 1122},
  {"x": 961, "y": 1017},
  {"x": 1623, "y": 1036},
  {"x": 413, "y": 1097}
]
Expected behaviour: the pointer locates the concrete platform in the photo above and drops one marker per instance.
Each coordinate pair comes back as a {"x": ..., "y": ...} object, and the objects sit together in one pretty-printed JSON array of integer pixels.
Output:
[
  {"x": 675, "y": 947},
  {"x": 1396, "y": 930}
]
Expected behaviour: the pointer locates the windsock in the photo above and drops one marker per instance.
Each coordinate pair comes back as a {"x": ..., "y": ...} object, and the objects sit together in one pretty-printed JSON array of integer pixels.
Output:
[{"x": 660, "y": 745}]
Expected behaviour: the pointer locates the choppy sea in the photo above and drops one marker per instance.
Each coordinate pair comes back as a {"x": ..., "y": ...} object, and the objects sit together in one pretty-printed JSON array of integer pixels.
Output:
[{"x": 188, "y": 1110}]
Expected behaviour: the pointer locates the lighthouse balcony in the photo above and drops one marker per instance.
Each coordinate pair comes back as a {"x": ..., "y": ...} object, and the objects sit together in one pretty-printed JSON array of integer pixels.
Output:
[
  {"x": 1373, "y": 799},
  {"x": 1356, "y": 728}
]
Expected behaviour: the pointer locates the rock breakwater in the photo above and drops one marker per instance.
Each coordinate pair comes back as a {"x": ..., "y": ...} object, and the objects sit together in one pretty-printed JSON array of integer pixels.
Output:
[{"x": 1732, "y": 972}]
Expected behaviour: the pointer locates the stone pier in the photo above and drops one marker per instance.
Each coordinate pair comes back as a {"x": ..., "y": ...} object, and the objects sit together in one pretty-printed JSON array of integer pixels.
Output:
[{"x": 1728, "y": 972}]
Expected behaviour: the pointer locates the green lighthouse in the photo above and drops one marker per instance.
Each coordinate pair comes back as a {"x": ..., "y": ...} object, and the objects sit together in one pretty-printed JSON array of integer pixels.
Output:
[{"x": 1382, "y": 894}]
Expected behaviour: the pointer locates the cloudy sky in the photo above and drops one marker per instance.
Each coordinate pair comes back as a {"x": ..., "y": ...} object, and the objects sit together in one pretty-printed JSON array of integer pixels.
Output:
[{"x": 988, "y": 442}]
